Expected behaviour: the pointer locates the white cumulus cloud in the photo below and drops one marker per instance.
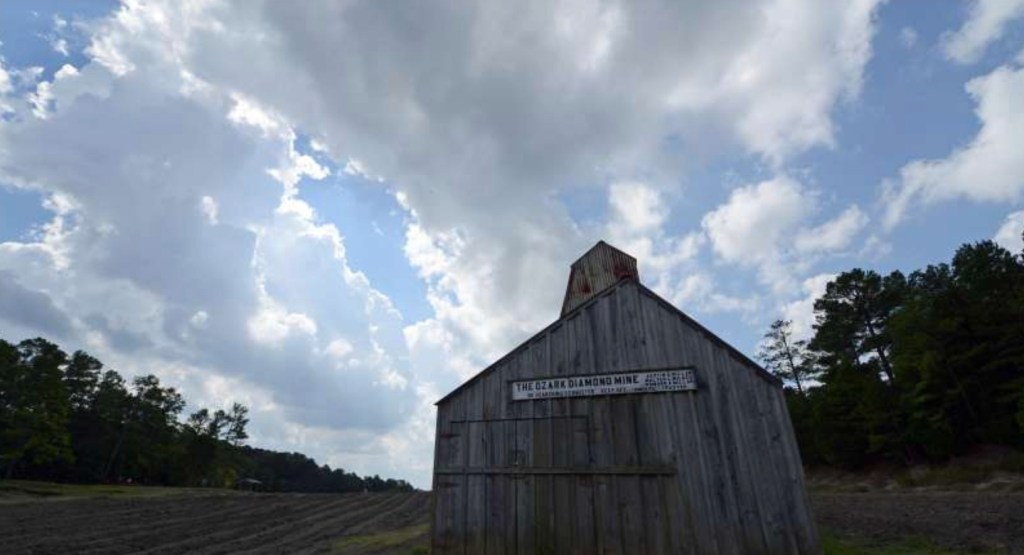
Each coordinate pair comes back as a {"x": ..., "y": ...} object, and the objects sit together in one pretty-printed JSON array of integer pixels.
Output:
[
  {"x": 835, "y": 234},
  {"x": 801, "y": 311},
  {"x": 129, "y": 267},
  {"x": 751, "y": 226},
  {"x": 989, "y": 168},
  {"x": 1011, "y": 233},
  {"x": 767, "y": 226},
  {"x": 476, "y": 118},
  {"x": 986, "y": 23}
]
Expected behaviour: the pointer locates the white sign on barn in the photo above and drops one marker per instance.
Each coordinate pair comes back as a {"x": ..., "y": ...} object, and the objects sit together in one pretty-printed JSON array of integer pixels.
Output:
[{"x": 605, "y": 384}]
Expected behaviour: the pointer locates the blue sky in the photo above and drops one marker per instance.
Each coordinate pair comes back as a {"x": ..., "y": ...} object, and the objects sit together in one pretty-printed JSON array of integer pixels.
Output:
[{"x": 335, "y": 215}]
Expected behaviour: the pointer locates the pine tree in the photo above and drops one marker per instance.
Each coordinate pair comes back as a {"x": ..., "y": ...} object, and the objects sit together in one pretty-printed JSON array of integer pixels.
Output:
[
  {"x": 852, "y": 319},
  {"x": 786, "y": 357},
  {"x": 35, "y": 408}
]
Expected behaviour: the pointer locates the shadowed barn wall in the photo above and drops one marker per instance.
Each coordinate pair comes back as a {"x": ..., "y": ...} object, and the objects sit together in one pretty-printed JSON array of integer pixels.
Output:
[{"x": 713, "y": 470}]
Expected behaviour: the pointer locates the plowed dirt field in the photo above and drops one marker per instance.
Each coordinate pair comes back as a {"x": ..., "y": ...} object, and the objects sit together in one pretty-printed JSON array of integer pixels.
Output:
[
  {"x": 224, "y": 523},
  {"x": 150, "y": 520},
  {"x": 951, "y": 521}
]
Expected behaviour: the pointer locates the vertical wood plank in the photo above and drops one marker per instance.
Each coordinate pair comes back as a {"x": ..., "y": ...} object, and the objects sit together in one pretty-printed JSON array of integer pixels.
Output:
[
  {"x": 511, "y": 505},
  {"x": 769, "y": 479},
  {"x": 450, "y": 538},
  {"x": 677, "y": 528},
  {"x": 695, "y": 503},
  {"x": 806, "y": 531},
  {"x": 784, "y": 517},
  {"x": 653, "y": 444},
  {"x": 710, "y": 407},
  {"x": 738, "y": 443},
  {"x": 627, "y": 488},
  {"x": 497, "y": 492},
  {"x": 652, "y": 437},
  {"x": 563, "y": 487},
  {"x": 580, "y": 361},
  {"x": 631, "y": 423},
  {"x": 605, "y": 501},
  {"x": 697, "y": 461},
  {"x": 584, "y": 533},
  {"x": 525, "y": 528},
  {"x": 606, "y": 507},
  {"x": 563, "y": 506},
  {"x": 445, "y": 496},
  {"x": 458, "y": 482},
  {"x": 492, "y": 397},
  {"x": 497, "y": 456},
  {"x": 476, "y": 452},
  {"x": 544, "y": 516},
  {"x": 524, "y": 485}
]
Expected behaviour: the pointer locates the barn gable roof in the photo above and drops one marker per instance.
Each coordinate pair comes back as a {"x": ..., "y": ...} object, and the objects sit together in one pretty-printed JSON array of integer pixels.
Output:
[{"x": 622, "y": 283}]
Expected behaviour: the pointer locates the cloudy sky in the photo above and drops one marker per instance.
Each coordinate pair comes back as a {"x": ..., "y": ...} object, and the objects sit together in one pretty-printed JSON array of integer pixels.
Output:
[{"x": 335, "y": 211}]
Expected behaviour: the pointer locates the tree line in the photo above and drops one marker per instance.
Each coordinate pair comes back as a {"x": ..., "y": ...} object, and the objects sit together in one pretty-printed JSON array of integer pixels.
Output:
[
  {"x": 67, "y": 418},
  {"x": 909, "y": 368}
]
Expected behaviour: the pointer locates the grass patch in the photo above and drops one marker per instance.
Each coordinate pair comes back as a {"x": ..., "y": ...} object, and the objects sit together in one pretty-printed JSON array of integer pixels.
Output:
[
  {"x": 947, "y": 476},
  {"x": 1002, "y": 470},
  {"x": 23, "y": 489},
  {"x": 835, "y": 545},
  {"x": 391, "y": 539}
]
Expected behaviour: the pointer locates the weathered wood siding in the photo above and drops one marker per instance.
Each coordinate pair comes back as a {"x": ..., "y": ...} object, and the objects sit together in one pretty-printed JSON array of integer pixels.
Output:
[
  {"x": 711, "y": 471},
  {"x": 598, "y": 269}
]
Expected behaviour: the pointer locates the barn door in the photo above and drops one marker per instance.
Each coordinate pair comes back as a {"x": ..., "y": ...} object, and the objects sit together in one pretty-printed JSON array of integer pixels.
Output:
[
  {"x": 554, "y": 491},
  {"x": 509, "y": 486},
  {"x": 553, "y": 484}
]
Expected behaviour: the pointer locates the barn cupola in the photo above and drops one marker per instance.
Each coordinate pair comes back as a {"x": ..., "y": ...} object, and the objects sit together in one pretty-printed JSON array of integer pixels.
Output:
[{"x": 598, "y": 269}]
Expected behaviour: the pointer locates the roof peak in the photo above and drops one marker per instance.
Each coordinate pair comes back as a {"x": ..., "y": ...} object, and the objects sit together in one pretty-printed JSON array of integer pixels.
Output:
[
  {"x": 601, "y": 267},
  {"x": 602, "y": 243}
]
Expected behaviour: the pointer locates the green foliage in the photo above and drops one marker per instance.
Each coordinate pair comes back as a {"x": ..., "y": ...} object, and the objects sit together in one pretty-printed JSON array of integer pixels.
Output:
[
  {"x": 852, "y": 319},
  {"x": 913, "y": 369},
  {"x": 29, "y": 489},
  {"x": 381, "y": 541},
  {"x": 296, "y": 472},
  {"x": 34, "y": 407},
  {"x": 66, "y": 419},
  {"x": 835, "y": 545},
  {"x": 210, "y": 443}
]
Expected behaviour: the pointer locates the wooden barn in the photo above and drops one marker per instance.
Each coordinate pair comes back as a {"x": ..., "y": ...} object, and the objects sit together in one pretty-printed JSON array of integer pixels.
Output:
[{"x": 623, "y": 427}]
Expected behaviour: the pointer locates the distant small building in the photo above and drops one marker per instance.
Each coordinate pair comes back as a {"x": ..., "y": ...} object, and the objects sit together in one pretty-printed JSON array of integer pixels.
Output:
[
  {"x": 249, "y": 484},
  {"x": 623, "y": 427}
]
